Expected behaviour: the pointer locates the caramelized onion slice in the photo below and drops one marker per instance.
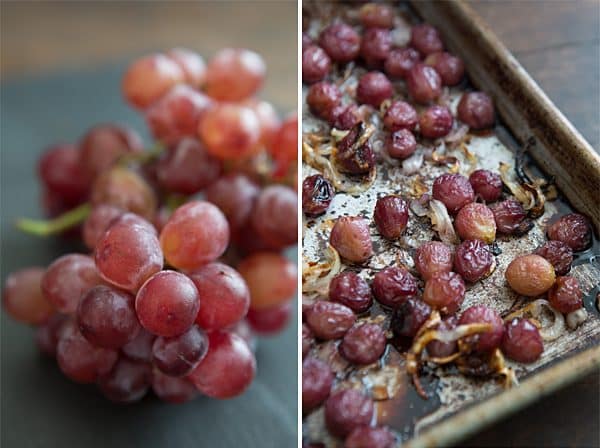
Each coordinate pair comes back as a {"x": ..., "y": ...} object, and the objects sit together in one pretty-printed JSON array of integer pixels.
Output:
[
  {"x": 442, "y": 224},
  {"x": 317, "y": 276}
]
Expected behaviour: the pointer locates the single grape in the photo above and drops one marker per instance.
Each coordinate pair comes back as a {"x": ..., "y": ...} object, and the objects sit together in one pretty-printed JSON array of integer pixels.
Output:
[
  {"x": 476, "y": 221},
  {"x": 559, "y": 254},
  {"x": 573, "y": 229},
  {"x": 400, "y": 61},
  {"x": 317, "y": 194},
  {"x": 444, "y": 291},
  {"x": 365, "y": 436},
  {"x": 61, "y": 171},
  {"x": 172, "y": 389},
  {"x": 140, "y": 347},
  {"x": 400, "y": 115},
  {"x": 376, "y": 15},
  {"x": 99, "y": 219},
  {"x": 435, "y": 122},
  {"x": 476, "y": 110},
  {"x": 565, "y": 295},
  {"x": 473, "y": 260},
  {"x": 349, "y": 289},
  {"x": 270, "y": 321},
  {"x": 192, "y": 65},
  {"x": 488, "y": 340},
  {"x": 522, "y": 341},
  {"x": 353, "y": 155},
  {"x": 127, "y": 382},
  {"x": 424, "y": 83},
  {"x": 317, "y": 379},
  {"x": 234, "y": 74},
  {"x": 530, "y": 275},
  {"x": 375, "y": 46},
  {"x": 363, "y": 344},
  {"x": 275, "y": 216},
  {"x": 440, "y": 349},
  {"x": 509, "y": 216},
  {"x": 454, "y": 190},
  {"x": 426, "y": 39},
  {"x": 323, "y": 98},
  {"x": 341, "y": 42},
  {"x": 401, "y": 144},
  {"x": 179, "y": 355},
  {"x": 392, "y": 286},
  {"x": 23, "y": 299},
  {"x": 329, "y": 320},
  {"x": 391, "y": 216},
  {"x": 373, "y": 88},
  {"x": 350, "y": 236},
  {"x": 410, "y": 317},
  {"x": 432, "y": 257},
  {"x": 315, "y": 64},
  {"x": 486, "y": 184},
  {"x": 345, "y": 410},
  {"x": 450, "y": 68}
]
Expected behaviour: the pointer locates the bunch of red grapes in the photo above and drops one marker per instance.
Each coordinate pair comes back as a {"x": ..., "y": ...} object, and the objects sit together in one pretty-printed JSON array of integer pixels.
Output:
[{"x": 184, "y": 242}]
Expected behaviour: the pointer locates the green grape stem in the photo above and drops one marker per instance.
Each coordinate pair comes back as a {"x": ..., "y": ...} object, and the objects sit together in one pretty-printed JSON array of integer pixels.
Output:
[{"x": 47, "y": 227}]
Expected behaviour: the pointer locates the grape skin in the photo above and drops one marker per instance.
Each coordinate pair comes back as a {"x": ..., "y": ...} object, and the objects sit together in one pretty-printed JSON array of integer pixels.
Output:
[
  {"x": 23, "y": 299},
  {"x": 179, "y": 355}
]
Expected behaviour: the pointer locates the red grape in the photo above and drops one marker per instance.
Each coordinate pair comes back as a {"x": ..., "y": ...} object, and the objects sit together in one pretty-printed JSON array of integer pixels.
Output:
[
  {"x": 23, "y": 299},
  {"x": 473, "y": 260},
  {"x": 284, "y": 148},
  {"x": 393, "y": 286},
  {"x": 440, "y": 349},
  {"x": 61, "y": 170},
  {"x": 315, "y": 64},
  {"x": 488, "y": 340},
  {"x": 373, "y": 88},
  {"x": 353, "y": 156},
  {"x": 558, "y": 254},
  {"x": 450, "y": 68},
  {"x": 375, "y": 46},
  {"x": 509, "y": 216},
  {"x": 269, "y": 321},
  {"x": 475, "y": 221},
  {"x": 317, "y": 379},
  {"x": 444, "y": 291},
  {"x": 192, "y": 65},
  {"x": 401, "y": 144},
  {"x": 530, "y": 275},
  {"x": 400, "y": 115},
  {"x": 426, "y": 39},
  {"x": 341, "y": 42},
  {"x": 347, "y": 409},
  {"x": 565, "y": 295},
  {"x": 572, "y": 229},
  {"x": 424, "y": 83},
  {"x": 476, "y": 110},
  {"x": 47, "y": 334},
  {"x": 349, "y": 289},
  {"x": 140, "y": 348},
  {"x": 400, "y": 61},
  {"x": 376, "y": 15},
  {"x": 99, "y": 219},
  {"x": 127, "y": 382},
  {"x": 363, "y": 344},
  {"x": 409, "y": 317},
  {"x": 173, "y": 389},
  {"x": 317, "y": 194},
  {"x": 234, "y": 74},
  {"x": 432, "y": 257},
  {"x": 435, "y": 122},
  {"x": 364, "y": 436},
  {"x": 391, "y": 216},
  {"x": 268, "y": 119},
  {"x": 322, "y": 98},
  {"x": 329, "y": 320},
  {"x": 350, "y": 236},
  {"x": 487, "y": 184},
  {"x": 275, "y": 216},
  {"x": 522, "y": 341},
  {"x": 179, "y": 355},
  {"x": 454, "y": 190}
]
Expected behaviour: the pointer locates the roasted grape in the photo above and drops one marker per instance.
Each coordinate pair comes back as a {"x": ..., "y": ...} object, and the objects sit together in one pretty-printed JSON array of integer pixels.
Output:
[
  {"x": 565, "y": 295},
  {"x": 400, "y": 115},
  {"x": 426, "y": 39},
  {"x": 450, "y": 68},
  {"x": 440, "y": 349},
  {"x": 391, "y": 216},
  {"x": 317, "y": 379},
  {"x": 454, "y": 190},
  {"x": 409, "y": 317},
  {"x": 444, "y": 291},
  {"x": 558, "y": 254},
  {"x": 435, "y": 122},
  {"x": 373, "y": 88},
  {"x": 365, "y": 436},
  {"x": 530, "y": 275},
  {"x": 329, "y": 320},
  {"x": 344, "y": 117},
  {"x": 315, "y": 64},
  {"x": 473, "y": 260},
  {"x": 400, "y": 61},
  {"x": 349, "y": 289},
  {"x": 317, "y": 194},
  {"x": 509, "y": 216},
  {"x": 345, "y": 410},
  {"x": 376, "y": 15},
  {"x": 488, "y": 340},
  {"x": 322, "y": 99},
  {"x": 572, "y": 229},
  {"x": 432, "y": 257},
  {"x": 393, "y": 286},
  {"x": 401, "y": 144},
  {"x": 375, "y": 46},
  {"x": 522, "y": 341},
  {"x": 475, "y": 221},
  {"x": 341, "y": 42},
  {"x": 350, "y": 236},
  {"x": 486, "y": 184},
  {"x": 424, "y": 83},
  {"x": 363, "y": 344},
  {"x": 476, "y": 110},
  {"x": 353, "y": 155}
]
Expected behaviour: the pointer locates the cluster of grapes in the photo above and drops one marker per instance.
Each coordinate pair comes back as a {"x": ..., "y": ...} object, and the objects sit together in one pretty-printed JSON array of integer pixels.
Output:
[{"x": 158, "y": 303}]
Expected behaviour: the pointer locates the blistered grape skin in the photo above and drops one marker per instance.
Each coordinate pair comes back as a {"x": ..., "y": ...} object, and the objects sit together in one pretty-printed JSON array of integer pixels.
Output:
[
  {"x": 565, "y": 295},
  {"x": 488, "y": 340},
  {"x": 401, "y": 144},
  {"x": 530, "y": 275},
  {"x": 559, "y": 254},
  {"x": 227, "y": 369},
  {"x": 441, "y": 349},
  {"x": 393, "y": 285},
  {"x": 67, "y": 278},
  {"x": 322, "y": 99},
  {"x": 47, "y": 334},
  {"x": 127, "y": 382},
  {"x": 317, "y": 194},
  {"x": 197, "y": 233},
  {"x": 373, "y": 88},
  {"x": 275, "y": 216},
  {"x": 315, "y": 64},
  {"x": 426, "y": 39},
  {"x": 476, "y": 221},
  {"x": 435, "y": 122},
  {"x": 234, "y": 74},
  {"x": 307, "y": 340},
  {"x": 572, "y": 229},
  {"x": 374, "y": 15},
  {"x": 375, "y": 46},
  {"x": 270, "y": 320},
  {"x": 192, "y": 65},
  {"x": 167, "y": 304},
  {"x": 224, "y": 294},
  {"x": 22, "y": 296},
  {"x": 409, "y": 317},
  {"x": 347, "y": 409},
  {"x": 400, "y": 115},
  {"x": 149, "y": 78},
  {"x": 172, "y": 389},
  {"x": 329, "y": 320},
  {"x": 454, "y": 190},
  {"x": 509, "y": 215},
  {"x": 317, "y": 379},
  {"x": 400, "y": 61},
  {"x": 486, "y": 184},
  {"x": 450, "y": 68},
  {"x": 62, "y": 172},
  {"x": 341, "y": 42},
  {"x": 444, "y": 291},
  {"x": 432, "y": 257},
  {"x": 350, "y": 236},
  {"x": 128, "y": 254},
  {"x": 140, "y": 348},
  {"x": 424, "y": 83},
  {"x": 179, "y": 355},
  {"x": 98, "y": 221},
  {"x": 391, "y": 216},
  {"x": 351, "y": 290},
  {"x": 365, "y": 436},
  {"x": 473, "y": 260},
  {"x": 522, "y": 341},
  {"x": 476, "y": 110},
  {"x": 363, "y": 344}
]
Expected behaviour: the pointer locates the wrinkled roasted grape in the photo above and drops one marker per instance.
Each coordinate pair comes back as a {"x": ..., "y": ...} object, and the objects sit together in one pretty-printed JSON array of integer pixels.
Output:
[
  {"x": 391, "y": 216},
  {"x": 271, "y": 279},
  {"x": 177, "y": 356},
  {"x": 401, "y": 144},
  {"x": 224, "y": 294},
  {"x": 341, "y": 42},
  {"x": 409, "y": 317},
  {"x": 476, "y": 221},
  {"x": 140, "y": 348},
  {"x": 488, "y": 340},
  {"x": 432, "y": 257},
  {"x": 230, "y": 131},
  {"x": 192, "y": 65},
  {"x": 565, "y": 295},
  {"x": 444, "y": 291},
  {"x": 353, "y": 155},
  {"x": 363, "y": 344},
  {"x": 227, "y": 369},
  {"x": 78, "y": 359},
  {"x": 23, "y": 299},
  {"x": 234, "y": 74},
  {"x": 173, "y": 389},
  {"x": 450, "y": 68},
  {"x": 373, "y": 88},
  {"x": 530, "y": 275},
  {"x": 127, "y": 382},
  {"x": 47, "y": 334},
  {"x": 317, "y": 379},
  {"x": 572, "y": 229},
  {"x": 344, "y": 117},
  {"x": 347, "y": 409},
  {"x": 275, "y": 216},
  {"x": 126, "y": 189},
  {"x": 424, "y": 83},
  {"x": 322, "y": 99},
  {"x": 349, "y": 289},
  {"x": 317, "y": 194},
  {"x": 367, "y": 437},
  {"x": 329, "y": 320},
  {"x": 400, "y": 61},
  {"x": 558, "y": 254},
  {"x": 439, "y": 349},
  {"x": 400, "y": 115},
  {"x": 62, "y": 172},
  {"x": 315, "y": 64},
  {"x": 270, "y": 321},
  {"x": 473, "y": 260},
  {"x": 106, "y": 317},
  {"x": 149, "y": 78},
  {"x": 376, "y": 15},
  {"x": 375, "y": 46},
  {"x": 351, "y": 238},
  {"x": 307, "y": 340},
  {"x": 426, "y": 39},
  {"x": 454, "y": 190},
  {"x": 167, "y": 304},
  {"x": 67, "y": 279},
  {"x": 177, "y": 114},
  {"x": 486, "y": 184},
  {"x": 128, "y": 254},
  {"x": 197, "y": 233},
  {"x": 392, "y": 286},
  {"x": 188, "y": 168},
  {"x": 270, "y": 123},
  {"x": 509, "y": 216},
  {"x": 99, "y": 219},
  {"x": 435, "y": 122},
  {"x": 522, "y": 341},
  {"x": 476, "y": 110}
]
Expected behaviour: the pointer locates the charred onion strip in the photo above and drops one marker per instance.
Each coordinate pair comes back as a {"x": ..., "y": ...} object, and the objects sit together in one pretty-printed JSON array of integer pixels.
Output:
[
  {"x": 441, "y": 222},
  {"x": 317, "y": 276},
  {"x": 530, "y": 195}
]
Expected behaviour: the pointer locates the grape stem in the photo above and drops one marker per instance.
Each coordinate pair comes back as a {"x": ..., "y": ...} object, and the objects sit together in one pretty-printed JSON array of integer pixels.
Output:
[{"x": 47, "y": 227}]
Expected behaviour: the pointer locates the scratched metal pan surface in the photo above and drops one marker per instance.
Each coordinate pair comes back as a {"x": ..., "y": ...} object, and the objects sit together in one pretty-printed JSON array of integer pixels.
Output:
[{"x": 459, "y": 405}]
